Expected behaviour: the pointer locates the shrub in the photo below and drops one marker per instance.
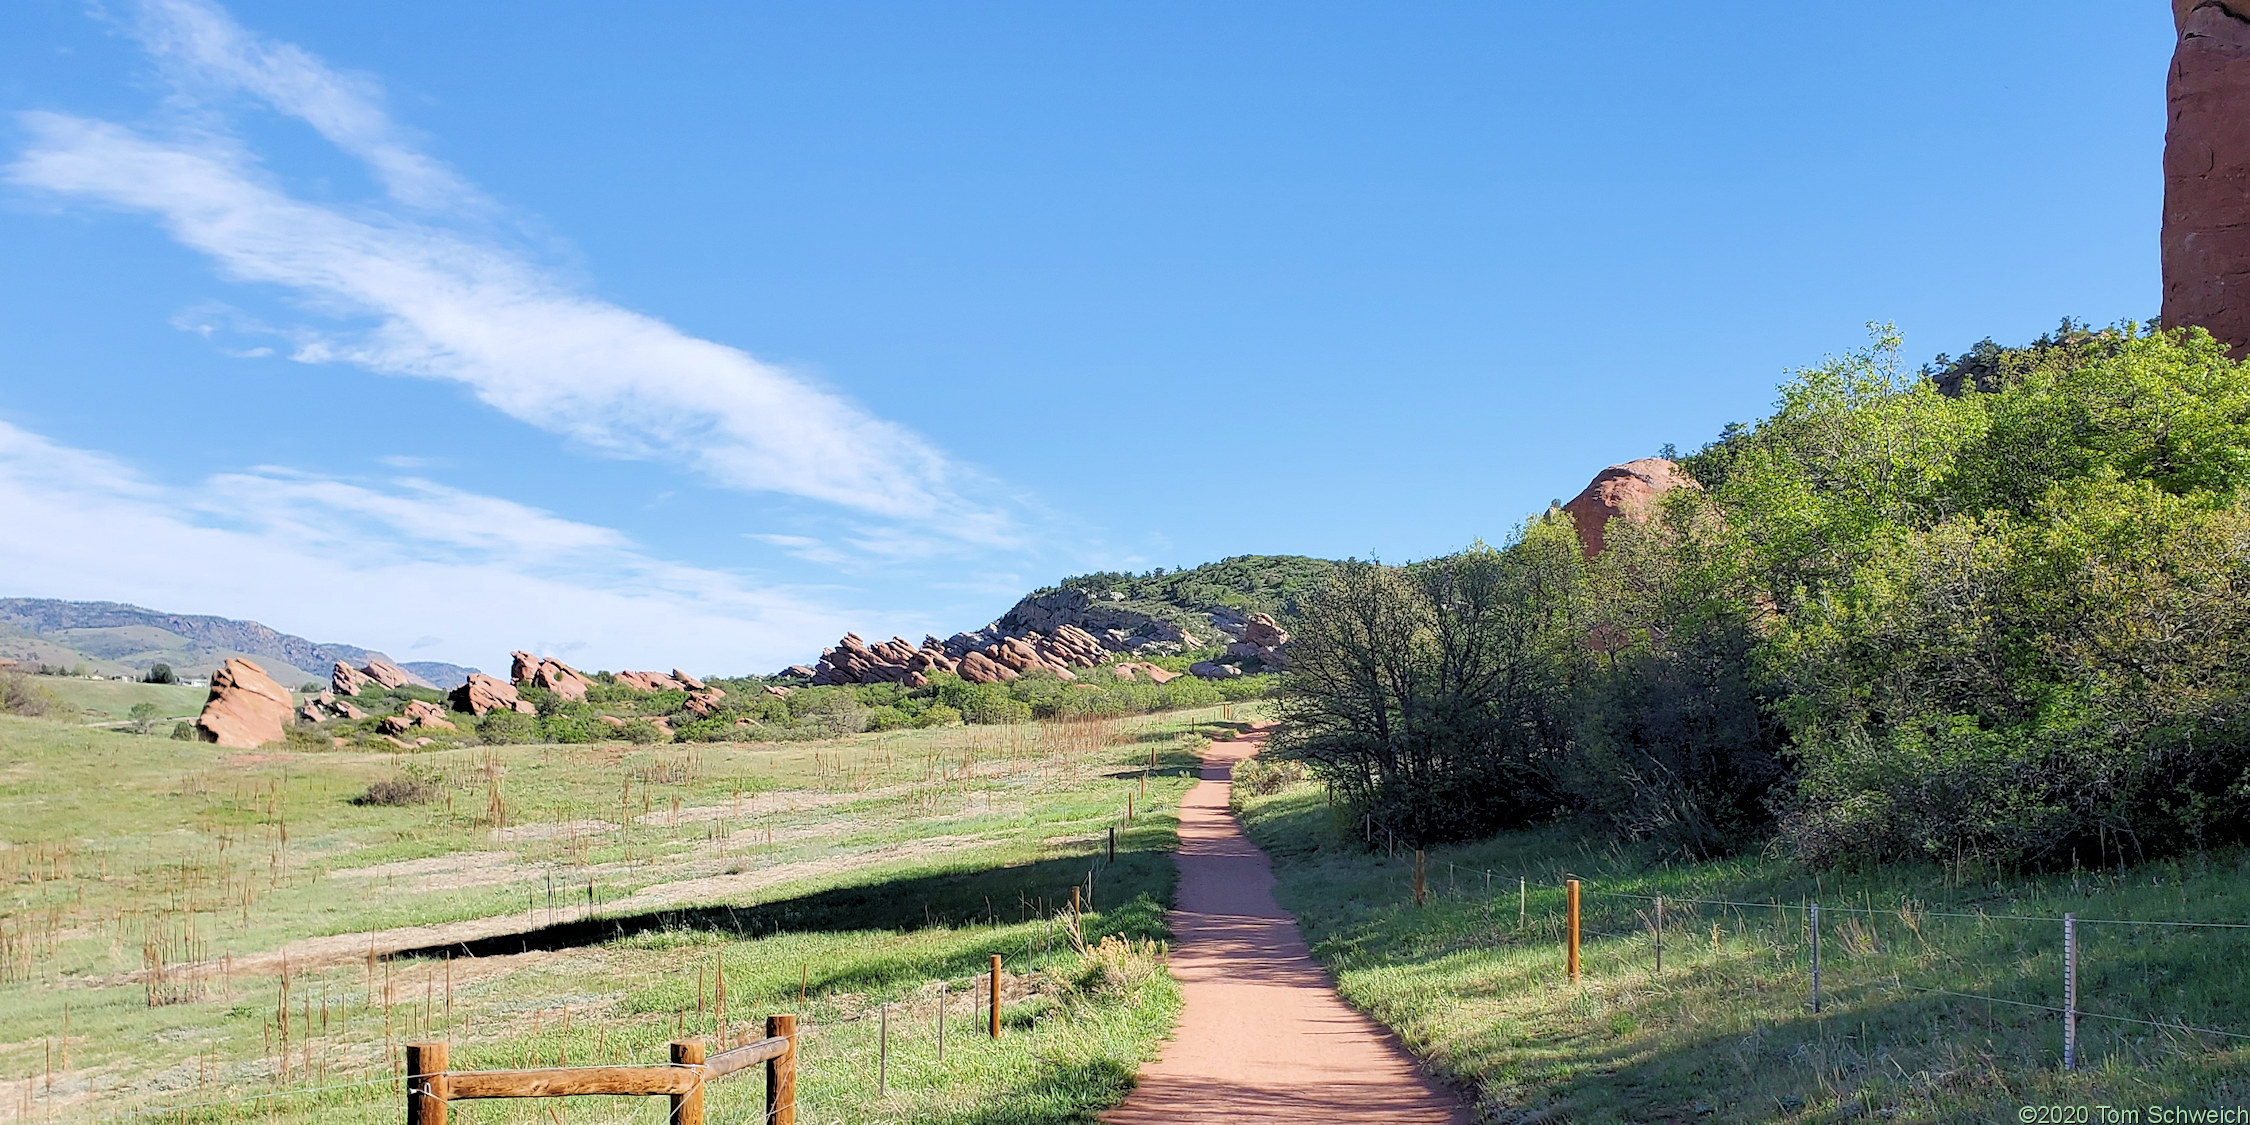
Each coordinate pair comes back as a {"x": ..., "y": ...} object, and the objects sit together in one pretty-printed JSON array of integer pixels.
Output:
[
  {"x": 304, "y": 738},
  {"x": 1434, "y": 698},
  {"x": 144, "y": 715},
  {"x": 938, "y": 715},
  {"x": 19, "y": 696},
  {"x": 159, "y": 674},
  {"x": 563, "y": 726},
  {"x": 183, "y": 731},
  {"x": 641, "y": 731},
  {"x": 501, "y": 727},
  {"x": 402, "y": 789},
  {"x": 1260, "y": 777},
  {"x": 888, "y": 718}
]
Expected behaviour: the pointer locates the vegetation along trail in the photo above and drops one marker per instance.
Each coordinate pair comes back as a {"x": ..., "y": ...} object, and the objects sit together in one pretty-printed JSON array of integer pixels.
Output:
[{"x": 1262, "y": 1035}]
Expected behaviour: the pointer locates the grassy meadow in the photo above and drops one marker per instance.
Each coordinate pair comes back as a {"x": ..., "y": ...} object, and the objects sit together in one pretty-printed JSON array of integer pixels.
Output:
[
  {"x": 1474, "y": 981},
  {"x": 185, "y": 927}
]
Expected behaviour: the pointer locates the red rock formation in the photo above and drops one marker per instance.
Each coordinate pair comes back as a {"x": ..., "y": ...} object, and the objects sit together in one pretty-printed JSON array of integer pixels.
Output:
[
  {"x": 347, "y": 681},
  {"x": 977, "y": 668},
  {"x": 486, "y": 693},
  {"x": 2206, "y": 240},
  {"x": 648, "y": 681},
  {"x": 391, "y": 675},
  {"x": 704, "y": 702},
  {"x": 550, "y": 674},
  {"x": 245, "y": 709},
  {"x": 1628, "y": 490},
  {"x": 326, "y": 706},
  {"x": 1129, "y": 669},
  {"x": 687, "y": 681}
]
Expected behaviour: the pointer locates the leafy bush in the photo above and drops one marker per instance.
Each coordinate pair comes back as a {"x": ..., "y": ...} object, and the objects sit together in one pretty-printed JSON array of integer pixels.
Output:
[
  {"x": 19, "y": 696},
  {"x": 183, "y": 731},
  {"x": 401, "y": 789},
  {"x": 501, "y": 727},
  {"x": 1263, "y": 777},
  {"x": 159, "y": 674},
  {"x": 641, "y": 731},
  {"x": 938, "y": 715},
  {"x": 888, "y": 718},
  {"x": 144, "y": 715}
]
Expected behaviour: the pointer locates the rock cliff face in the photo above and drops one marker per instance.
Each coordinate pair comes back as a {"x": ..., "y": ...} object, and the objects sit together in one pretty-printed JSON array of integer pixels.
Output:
[
  {"x": 245, "y": 709},
  {"x": 1630, "y": 490},
  {"x": 2206, "y": 240}
]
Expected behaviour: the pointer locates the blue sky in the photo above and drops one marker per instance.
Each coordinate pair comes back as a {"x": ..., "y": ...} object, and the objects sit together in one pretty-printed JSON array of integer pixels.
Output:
[{"x": 696, "y": 334}]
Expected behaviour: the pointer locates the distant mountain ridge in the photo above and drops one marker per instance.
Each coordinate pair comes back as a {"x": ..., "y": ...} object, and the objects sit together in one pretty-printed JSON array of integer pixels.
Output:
[{"x": 115, "y": 636}]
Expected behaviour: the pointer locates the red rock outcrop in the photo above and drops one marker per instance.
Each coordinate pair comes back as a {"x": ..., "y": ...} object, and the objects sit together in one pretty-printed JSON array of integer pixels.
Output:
[
  {"x": 2206, "y": 239},
  {"x": 391, "y": 675},
  {"x": 487, "y": 693},
  {"x": 977, "y": 668},
  {"x": 245, "y": 709},
  {"x": 1131, "y": 669},
  {"x": 648, "y": 681},
  {"x": 1630, "y": 490},
  {"x": 703, "y": 702},
  {"x": 687, "y": 681},
  {"x": 326, "y": 706},
  {"x": 347, "y": 681},
  {"x": 547, "y": 673},
  {"x": 417, "y": 714}
]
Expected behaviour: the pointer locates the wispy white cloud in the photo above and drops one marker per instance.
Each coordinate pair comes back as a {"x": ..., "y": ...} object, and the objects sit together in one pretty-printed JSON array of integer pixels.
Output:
[
  {"x": 201, "y": 44},
  {"x": 379, "y": 564},
  {"x": 453, "y": 305}
]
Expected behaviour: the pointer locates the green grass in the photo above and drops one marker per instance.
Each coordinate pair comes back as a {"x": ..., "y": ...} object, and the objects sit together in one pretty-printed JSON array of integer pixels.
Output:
[
  {"x": 1475, "y": 982},
  {"x": 895, "y": 861},
  {"x": 98, "y": 701}
]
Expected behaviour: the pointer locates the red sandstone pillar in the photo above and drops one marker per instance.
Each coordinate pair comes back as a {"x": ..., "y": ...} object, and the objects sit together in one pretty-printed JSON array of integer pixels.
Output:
[{"x": 2206, "y": 241}]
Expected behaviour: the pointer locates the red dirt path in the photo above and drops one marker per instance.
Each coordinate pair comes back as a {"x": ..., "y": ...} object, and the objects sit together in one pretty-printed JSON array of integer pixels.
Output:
[{"x": 1263, "y": 1036}]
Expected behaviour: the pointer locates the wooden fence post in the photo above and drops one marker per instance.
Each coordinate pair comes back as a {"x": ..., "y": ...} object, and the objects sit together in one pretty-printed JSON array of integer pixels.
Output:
[
  {"x": 781, "y": 1073},
  {"x": 1418, "y": 872},
  {"x": 1113, "y": 840},
  {"x": 996, "y": 996},
  {"x": 1572, "y": 908},
  {"x": 425, "y": 1084},
  {"x": 687, "y": 1108}
]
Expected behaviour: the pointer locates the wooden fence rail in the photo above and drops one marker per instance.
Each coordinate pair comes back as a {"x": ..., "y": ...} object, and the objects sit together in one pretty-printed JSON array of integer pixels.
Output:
[{"x": 430, "y": 1086}]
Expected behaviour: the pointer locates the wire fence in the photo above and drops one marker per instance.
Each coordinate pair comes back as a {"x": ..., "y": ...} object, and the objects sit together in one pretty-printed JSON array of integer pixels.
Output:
[
  {"x": 822, "y": 1076},
  {"x": 1648, "y": 920}
]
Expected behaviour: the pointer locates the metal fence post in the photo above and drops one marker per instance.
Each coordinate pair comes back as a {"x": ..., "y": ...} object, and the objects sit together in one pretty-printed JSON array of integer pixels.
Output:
[
  {"x": 1816, "y": 957},
  {"x": 2070, "y": 992},
  {"x": 883, "y": 1056}
]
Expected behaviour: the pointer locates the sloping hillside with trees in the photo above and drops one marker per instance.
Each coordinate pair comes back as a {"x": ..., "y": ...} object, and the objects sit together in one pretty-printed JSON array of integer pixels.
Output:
[{"x": 1997, "y": 609}]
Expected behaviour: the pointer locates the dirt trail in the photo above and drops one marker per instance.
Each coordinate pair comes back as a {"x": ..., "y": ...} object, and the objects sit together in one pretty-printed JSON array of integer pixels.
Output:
[{"x": 1263, "y": 1036}]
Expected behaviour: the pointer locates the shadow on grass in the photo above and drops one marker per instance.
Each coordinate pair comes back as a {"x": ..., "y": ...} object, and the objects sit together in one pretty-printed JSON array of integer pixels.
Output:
[{"x": 1005, "y": 894}]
